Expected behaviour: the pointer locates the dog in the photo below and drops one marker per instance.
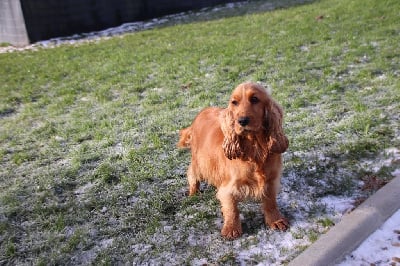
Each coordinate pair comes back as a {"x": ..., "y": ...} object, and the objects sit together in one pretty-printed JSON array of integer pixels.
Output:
[{"x": 238, "y": 150}]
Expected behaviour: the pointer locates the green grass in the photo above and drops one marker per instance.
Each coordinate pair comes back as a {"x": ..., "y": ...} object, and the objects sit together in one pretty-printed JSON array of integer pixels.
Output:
[{"x": 88, "y": 132}]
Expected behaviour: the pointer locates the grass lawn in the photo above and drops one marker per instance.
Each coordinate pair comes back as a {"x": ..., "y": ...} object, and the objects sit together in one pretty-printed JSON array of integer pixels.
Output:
[{"x": 89, "y": 170}]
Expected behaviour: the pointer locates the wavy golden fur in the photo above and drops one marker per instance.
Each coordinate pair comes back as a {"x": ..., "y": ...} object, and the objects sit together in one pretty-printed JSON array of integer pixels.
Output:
[{"x": 238, "y": 150}]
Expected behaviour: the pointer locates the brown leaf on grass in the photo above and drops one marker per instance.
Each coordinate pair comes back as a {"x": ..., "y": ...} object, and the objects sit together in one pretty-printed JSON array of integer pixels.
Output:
[
  {"x": 396, "y": 259},
  {"x": 373, "y": 183},
  {"x": 358, "y": 201},
  {"x": 320, "y": 17},
  {"x": 186, "y": 86}
]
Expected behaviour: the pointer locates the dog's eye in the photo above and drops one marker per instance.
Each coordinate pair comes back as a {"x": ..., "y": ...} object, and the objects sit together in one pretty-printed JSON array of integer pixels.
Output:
[
  {"x": 254, "y": 99},
  {"x": 234, "y": 102}
]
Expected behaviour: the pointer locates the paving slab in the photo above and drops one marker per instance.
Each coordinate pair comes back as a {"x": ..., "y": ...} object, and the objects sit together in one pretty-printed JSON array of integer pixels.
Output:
[{"x": 353, "y": 228}]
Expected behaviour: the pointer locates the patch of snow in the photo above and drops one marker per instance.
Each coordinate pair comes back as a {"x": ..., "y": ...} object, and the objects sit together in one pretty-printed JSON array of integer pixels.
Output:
[
  {"x": 199, "y": 262},
  {"x": 381, "y": 248},
  {"x": 81, "y": 191},
  {"x": 141, "y": 248},
  {"x": 304, "y": 48},
  {"x": 106, "y": 243},
  {"x": 339, "y": 205},
  {"x": 381, "y": 77},
  {"x": 119, "y": 149},
  {"x": 389, "y": 156},
  {"x": 59, "y": 139},
  {"x": 87, "y": 257},
  {"x": 104, "y": 209},
  {"x": 396, "y": 172},
  {"x": 84, "y": 258},
  {"x": 196, "y": 240}
]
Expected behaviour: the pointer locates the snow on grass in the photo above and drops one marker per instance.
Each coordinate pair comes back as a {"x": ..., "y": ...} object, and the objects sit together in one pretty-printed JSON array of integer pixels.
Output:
[
  {"x": 387, "y": 158},
  {"x": 340, "y": 205}
]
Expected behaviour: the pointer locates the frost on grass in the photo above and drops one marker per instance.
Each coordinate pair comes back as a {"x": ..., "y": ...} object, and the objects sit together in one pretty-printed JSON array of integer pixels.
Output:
[
  {"x": 120, "y": 194},
  {"x": 192, "y": 234},
  {"x": 195, "y": 239}
]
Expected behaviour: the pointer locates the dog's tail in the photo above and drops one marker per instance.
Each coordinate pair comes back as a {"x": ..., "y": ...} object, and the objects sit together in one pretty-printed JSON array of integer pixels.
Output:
[{"x": 185, "y": 138}]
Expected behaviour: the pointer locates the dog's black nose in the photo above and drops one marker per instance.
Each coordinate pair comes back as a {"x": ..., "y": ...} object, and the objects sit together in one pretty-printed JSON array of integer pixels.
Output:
[{"x": 243, "y": 121}]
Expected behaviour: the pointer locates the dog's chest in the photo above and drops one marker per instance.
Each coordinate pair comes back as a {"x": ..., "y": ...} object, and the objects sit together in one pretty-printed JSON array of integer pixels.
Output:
[{"x": 248, "y": 183}]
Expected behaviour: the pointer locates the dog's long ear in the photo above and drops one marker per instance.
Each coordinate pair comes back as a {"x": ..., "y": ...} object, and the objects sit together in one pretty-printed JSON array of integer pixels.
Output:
[
  {"x": 231, "y": 143},
  {"x": 276, "y": 140}
]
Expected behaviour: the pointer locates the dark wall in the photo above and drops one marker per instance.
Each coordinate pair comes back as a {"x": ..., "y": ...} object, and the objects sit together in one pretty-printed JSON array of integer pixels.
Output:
[{"x": 46, "y": 19}]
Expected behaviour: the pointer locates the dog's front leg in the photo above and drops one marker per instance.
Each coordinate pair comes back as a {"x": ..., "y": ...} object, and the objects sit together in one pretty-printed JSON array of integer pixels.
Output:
[
  {"x": 273, "y": 217},
  {"x": 232, "y": 227}
]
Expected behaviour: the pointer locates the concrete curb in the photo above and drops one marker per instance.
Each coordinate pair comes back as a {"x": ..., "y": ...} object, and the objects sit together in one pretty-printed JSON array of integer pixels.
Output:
[{"x": 353, "y": 229}]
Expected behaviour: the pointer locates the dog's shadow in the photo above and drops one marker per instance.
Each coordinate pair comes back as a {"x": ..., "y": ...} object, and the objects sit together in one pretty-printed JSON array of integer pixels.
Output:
[{"x": 252, "y": 218}]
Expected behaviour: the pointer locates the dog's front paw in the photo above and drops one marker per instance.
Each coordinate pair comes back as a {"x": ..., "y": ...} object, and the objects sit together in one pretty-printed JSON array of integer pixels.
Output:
[
  {"x": 281, "y": 224},
  {"x": 231, "y": 232}
]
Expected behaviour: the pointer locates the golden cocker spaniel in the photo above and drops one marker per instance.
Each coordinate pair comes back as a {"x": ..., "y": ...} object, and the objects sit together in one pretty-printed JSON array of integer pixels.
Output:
[{"x": 238, "y": 150}]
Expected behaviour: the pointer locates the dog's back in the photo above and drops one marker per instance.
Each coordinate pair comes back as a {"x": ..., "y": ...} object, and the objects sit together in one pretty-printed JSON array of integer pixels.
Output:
[{"x": 205, "y": 121}]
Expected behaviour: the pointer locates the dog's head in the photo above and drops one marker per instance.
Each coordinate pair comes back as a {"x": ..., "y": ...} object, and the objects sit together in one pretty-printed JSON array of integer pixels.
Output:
[
  {"x": 248, "y": 107},
  {"x": 252, "y": 112}
]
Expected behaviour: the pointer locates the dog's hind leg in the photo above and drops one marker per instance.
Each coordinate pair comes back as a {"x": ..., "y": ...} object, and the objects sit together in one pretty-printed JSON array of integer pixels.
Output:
[{"x": 194, "y": 183}]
